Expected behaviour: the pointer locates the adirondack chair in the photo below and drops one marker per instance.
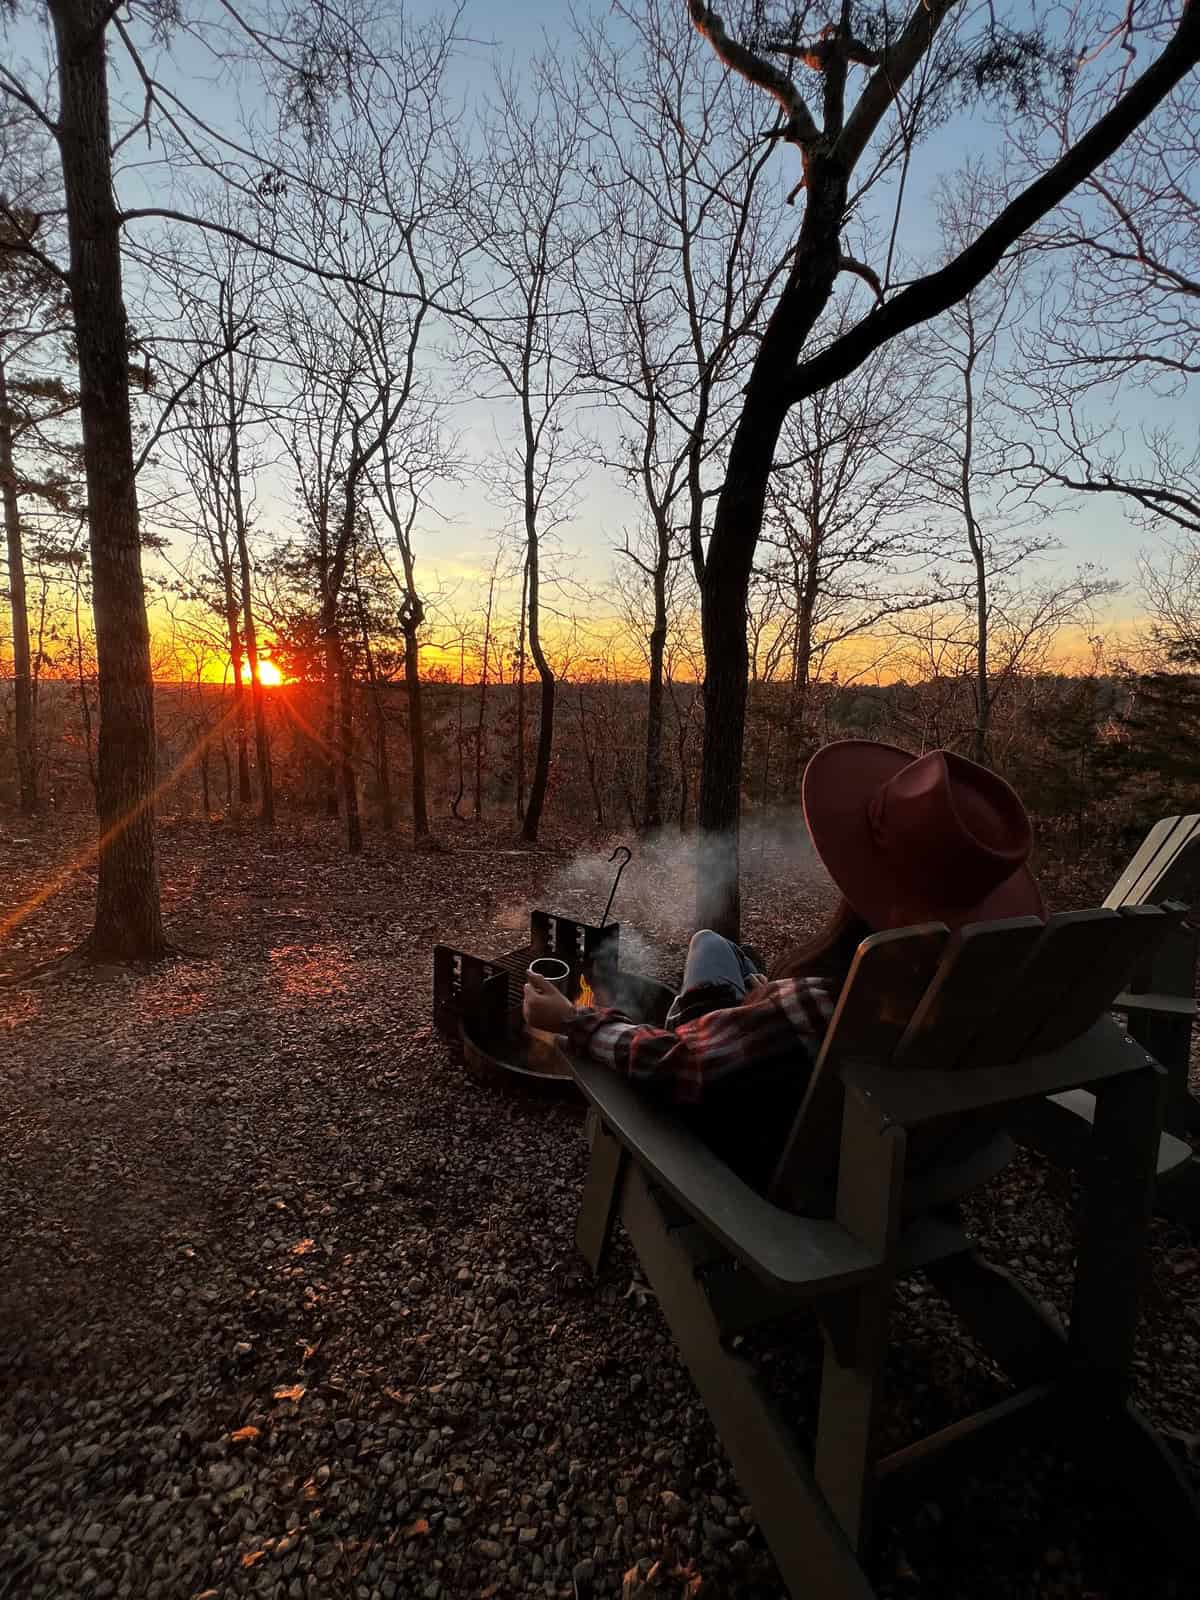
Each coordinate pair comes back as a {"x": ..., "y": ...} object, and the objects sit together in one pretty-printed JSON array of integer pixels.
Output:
[
  {"x": 1160, "y": 999},
  {"x": 935, "y": 1040}
]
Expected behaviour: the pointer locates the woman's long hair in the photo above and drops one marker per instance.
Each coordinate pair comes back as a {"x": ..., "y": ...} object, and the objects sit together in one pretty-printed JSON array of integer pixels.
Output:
[{"x": 830, "y": 952}]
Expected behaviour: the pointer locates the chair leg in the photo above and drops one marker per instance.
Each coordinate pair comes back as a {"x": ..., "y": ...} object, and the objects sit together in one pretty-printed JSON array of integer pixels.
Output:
[
  {"x": 1116, "y": 1217},
  {"x": 601, "y": 1194},
  {"x": 813, "y": 1555},
  {"x": 1169, "y": 1041},
  {"x": 1121, "y": 1445},
  {"x": 1118, "y": 1440},
  {"x": 870, "y": 1184}
]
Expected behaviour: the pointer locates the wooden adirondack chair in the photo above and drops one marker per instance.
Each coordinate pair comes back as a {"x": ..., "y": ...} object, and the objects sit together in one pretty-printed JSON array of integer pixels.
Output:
[
  {"x": 1160, "y": 999},
  {"x": 934, "y": 1042}
]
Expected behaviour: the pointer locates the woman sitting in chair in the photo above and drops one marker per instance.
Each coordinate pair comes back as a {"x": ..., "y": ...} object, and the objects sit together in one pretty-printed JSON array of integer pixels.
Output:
[{"x": 906, "y": 840}]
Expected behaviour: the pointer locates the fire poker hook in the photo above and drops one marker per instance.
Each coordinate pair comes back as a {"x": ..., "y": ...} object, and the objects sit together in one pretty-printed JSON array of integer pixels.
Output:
[{"x": 624, "y": 851}]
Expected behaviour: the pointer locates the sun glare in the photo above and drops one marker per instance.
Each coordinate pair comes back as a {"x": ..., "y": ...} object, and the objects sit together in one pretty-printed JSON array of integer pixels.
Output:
[{"x": 269, "y": 674}]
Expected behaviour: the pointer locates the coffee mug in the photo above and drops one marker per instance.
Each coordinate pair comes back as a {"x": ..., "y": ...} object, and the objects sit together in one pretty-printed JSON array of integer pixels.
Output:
[
  {"x": 552, "y": 970},
  {"x": 558, "y": 973}
]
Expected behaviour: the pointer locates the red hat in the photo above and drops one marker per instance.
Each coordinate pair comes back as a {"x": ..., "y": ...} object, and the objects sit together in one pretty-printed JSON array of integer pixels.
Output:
[{"x": 907, "y": 839}]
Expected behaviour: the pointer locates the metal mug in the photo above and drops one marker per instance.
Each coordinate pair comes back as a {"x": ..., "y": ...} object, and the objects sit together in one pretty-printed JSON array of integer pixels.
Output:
[{"x": 554, "y": 971}]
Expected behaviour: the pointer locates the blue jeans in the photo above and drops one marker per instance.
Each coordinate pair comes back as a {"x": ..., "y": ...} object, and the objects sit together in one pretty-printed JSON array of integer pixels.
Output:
[{"x": 712, "y": 959}]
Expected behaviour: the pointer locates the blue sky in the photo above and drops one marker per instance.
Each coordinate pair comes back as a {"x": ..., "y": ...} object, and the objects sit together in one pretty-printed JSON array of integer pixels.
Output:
[{"x": 1096, "y": 532}]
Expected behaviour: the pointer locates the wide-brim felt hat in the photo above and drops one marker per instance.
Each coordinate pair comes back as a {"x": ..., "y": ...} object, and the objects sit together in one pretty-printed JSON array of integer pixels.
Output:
[{"x": 908, "y": 839}]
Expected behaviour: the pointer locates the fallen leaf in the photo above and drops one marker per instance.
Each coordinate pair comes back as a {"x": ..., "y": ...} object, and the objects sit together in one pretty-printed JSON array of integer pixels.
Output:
[
  {"x": 253, "y": 1557},
  {"x": 240, "y": 1434},
  {"x": 296, "y": 1391},
  {"x": 303, "y": 1247},
  {"x": 486, "y": 1594},
  {"x": 310, "y": 1351},
  {"x": 414, "y": 1528}
]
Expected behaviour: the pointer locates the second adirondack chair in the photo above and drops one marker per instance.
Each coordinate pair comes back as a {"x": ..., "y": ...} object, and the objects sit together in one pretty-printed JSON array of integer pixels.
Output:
[
  {"x": 1160, "y": 998},
  {"x": 935, "y": 1042}
]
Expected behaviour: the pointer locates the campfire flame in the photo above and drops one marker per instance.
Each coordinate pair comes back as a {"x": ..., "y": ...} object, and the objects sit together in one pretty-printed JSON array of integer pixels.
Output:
[{"x": 586, "y": 997}]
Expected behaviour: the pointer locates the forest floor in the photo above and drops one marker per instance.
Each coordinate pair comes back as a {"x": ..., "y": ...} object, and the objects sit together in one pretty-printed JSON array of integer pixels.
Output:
[{"x": 291, "y": 1306}]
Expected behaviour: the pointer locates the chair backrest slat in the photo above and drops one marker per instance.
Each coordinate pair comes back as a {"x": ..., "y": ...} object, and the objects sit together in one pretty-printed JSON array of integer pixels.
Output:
[
  {"x": 976, "y": 978},
  {"x": 890, "y": 973},
  {"x": 1071, "y": 943},
  {"x": 993, "y": 996},
  {"x": 1167, "y": 867},
  {"x": 1156, "y": 841},
  {"x": 1089, "y": 992}
]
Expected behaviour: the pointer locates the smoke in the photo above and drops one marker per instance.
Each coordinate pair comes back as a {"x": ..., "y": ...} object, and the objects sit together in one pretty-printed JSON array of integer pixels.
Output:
[{"x": 656, "y": 900}]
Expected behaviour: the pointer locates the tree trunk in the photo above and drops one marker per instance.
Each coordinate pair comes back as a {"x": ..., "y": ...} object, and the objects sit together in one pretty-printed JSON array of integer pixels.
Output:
[
  {"x": 652, "y": 800},
  {"x": 22, "y": 660},
  {"x": 462, "y": 694},
  {"x": 416, "y": 731},
  {"x": 262, "y": 742},
  {"x": 723, "y": 597},
  {"x": 262, "y": 737},
  {"x": 480, "y": 726},
  {"x": 520, "y": 761},
  {"x": 725, "y": 588},
  {"x": 331, "y": 763},
  {"x": 983, "y": 687},
  {"x": 245, "y": 794},
  {"x": 346, "y": 752},
  {"x": 802, "y": 664},
  {"x": 589, "y": 757},
  {"x": 85, "y": 709},
  {"x": 545, "y": 744},
  {"x": 383, "y": 765},
  {"x": 128, "y": 923}
]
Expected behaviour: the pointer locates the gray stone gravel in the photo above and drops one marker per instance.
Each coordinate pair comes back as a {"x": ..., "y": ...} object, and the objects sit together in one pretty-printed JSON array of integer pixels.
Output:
[{"x": 292, "y": 1309}]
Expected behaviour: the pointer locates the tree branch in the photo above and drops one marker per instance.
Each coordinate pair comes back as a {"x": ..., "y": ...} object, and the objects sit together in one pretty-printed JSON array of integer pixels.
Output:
[
  {"x": 888, "y": 78},
  {"x": 936, "y": 292},
  {"x": 866, "y": 273},
  {"x": 801, "y": 128},
  {"x": 260, "y": 247}
]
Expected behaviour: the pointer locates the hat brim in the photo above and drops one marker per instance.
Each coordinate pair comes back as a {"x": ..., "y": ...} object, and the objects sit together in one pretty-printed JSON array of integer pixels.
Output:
[{"x": 839, "y": 782}]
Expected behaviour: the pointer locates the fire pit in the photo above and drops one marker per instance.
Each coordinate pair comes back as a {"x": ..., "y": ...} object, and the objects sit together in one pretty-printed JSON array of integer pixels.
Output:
[{"x": 477, "y": 1001}]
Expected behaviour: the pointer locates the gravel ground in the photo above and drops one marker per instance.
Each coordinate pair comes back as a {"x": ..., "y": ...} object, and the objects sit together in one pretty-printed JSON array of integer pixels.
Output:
[{"x": 292, "y": 1309}]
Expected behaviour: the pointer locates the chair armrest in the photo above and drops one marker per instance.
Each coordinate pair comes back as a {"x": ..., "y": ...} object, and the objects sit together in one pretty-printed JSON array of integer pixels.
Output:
[
  {"x": 1060, "y": 1126},
  {"x": 1163, "y": 1005},
  {"x": 797, "y": 1255}
]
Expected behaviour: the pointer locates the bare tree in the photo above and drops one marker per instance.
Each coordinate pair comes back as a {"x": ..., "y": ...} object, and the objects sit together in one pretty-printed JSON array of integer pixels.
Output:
[
  {"x": 846, "y": 546},
  {"x": 128, "y": 921},
  {"x": 678, "y": 276},
  {"x": 33, "y": 400},
  {"x": 530, "y": 217},
  {"x": 907, "y": 72}
]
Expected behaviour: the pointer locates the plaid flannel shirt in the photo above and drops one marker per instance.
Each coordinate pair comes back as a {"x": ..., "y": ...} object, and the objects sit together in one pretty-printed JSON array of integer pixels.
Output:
[{"x": 776, "y": 1037}]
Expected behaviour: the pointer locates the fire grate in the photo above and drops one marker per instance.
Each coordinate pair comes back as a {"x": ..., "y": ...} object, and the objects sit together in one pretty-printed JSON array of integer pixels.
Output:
[{"x": 477, "y": 1000}]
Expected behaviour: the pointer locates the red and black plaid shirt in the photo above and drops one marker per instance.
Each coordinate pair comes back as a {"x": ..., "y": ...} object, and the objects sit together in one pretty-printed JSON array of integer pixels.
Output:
[{"x": 778, "y": 1036}]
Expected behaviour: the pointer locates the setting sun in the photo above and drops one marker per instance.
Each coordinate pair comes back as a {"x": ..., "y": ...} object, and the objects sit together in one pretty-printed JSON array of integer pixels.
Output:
[{"x": 269, "y": 674}]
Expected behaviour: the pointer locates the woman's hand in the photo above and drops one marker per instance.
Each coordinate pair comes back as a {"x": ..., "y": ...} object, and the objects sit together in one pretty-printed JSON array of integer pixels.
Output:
[
  {"x": 544, "y": 1007},
  {"x": 755, "y": 980}
]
